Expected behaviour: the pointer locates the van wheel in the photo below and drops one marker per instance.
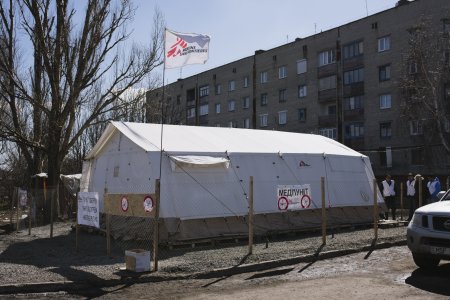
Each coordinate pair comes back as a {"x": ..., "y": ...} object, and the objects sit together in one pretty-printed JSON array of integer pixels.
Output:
[{"x": 426, "y": 261}]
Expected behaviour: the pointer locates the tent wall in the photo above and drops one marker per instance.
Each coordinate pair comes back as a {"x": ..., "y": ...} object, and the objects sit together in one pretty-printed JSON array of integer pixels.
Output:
[
  {"x": 122, "y": 168},
  {"x": 207, "y": 193}
]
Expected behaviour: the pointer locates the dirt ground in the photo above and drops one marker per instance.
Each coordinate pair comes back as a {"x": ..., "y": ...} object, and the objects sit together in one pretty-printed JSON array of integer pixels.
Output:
[
  {"x": 218, "y": 271},
  {"x": 382, "y": 274}
]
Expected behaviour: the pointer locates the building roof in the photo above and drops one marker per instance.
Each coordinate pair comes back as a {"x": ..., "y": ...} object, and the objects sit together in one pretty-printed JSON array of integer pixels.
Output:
[{"x": 197, "y": 139}]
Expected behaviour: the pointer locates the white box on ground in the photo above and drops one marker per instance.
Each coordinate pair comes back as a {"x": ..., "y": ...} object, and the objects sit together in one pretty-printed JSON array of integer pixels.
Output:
[{"x": 137, "y": 260}]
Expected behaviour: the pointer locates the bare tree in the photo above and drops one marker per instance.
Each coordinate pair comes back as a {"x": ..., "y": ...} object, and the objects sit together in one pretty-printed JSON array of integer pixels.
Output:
[
  {"x": 426, "y": 81},
  {"x": 79, "y": 70}
]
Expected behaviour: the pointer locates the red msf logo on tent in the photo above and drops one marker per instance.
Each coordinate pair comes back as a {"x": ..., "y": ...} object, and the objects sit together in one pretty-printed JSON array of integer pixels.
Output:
[{"x": 177, "y": 48}]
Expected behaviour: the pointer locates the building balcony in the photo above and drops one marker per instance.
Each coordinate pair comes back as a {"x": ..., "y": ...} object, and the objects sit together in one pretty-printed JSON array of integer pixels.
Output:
[
  {"x": 355, "y": 143},
  {"x": 354, "y": 89},
  {"x": 190, "y": 103},
  {"x": 190, "y": 121},
  {"x": 327, "y": 95},
  {"x": 327, "y": 121},
  {"x": 353, "y": 63},
  {"x": 327, "y": 70},
  {"x": 203, "y": 120},
  {"x": 354, "y": 114}
]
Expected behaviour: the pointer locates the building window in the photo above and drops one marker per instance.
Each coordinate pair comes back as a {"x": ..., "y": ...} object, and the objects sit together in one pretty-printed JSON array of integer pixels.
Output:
[
  {"x": 302, "y": 66},
  {"x": 384, "y": 43},
  {"x": 327, "y": 83},
  {"x": 282, "y": 72},
  {"x": 302, "y": 114},
  {"x": 353, "y": 76},
  {"x": 246, "y": 81},
  {"x": 218, "y": 89},
  {"x": 282, "y": 95},
  {"x": 328, "y": 132},
  {"x": 354, "y": 49},
  {"x": 417, "y": 157},
  {"x": 204, "y": 91},
  {"x": 326, "y": 57},
  {"x": 446, "y": 25},
  {"x": 302, "y": 91},
  {"x": 385, "y": 101},
  {"x": 354, "y": 130},
  {"x": 331, "y": 110},
  {"x": 264, "y": 77},
  {"x": 246, "y": 123},
  {"x": 412, "y": 67},
  {"x": 263, "y": 120},
  {"x": 264, "y": 99},
  {"x": 231, "y": 85},
  {"x": 415, "y": 127},
  {"x": 246, "y": 102},
  {"x": 178, "y": 99},
  {"x": 217, "y": 108},
  {"x": 384, "y": 73},
  {"x": 190, "y": 113},
  {"x": 385, "y": 130},
  {"x": 352, "y": 103},
  {"x": 282, "y": 117},
  {"x": 204, "y": 110},
  {"x": 231, "y": 105}
]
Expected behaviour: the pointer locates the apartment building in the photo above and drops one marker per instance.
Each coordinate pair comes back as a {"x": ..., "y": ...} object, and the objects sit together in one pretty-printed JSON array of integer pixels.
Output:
[{"x": 343, "y": 83}]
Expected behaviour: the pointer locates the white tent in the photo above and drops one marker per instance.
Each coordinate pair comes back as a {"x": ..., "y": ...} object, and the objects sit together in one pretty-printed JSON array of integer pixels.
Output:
[{"x": 205, "y": 175}]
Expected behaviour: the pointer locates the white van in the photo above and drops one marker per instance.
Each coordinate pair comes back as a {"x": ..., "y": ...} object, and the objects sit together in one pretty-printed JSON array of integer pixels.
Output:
[{"x": 428, "y": 233}]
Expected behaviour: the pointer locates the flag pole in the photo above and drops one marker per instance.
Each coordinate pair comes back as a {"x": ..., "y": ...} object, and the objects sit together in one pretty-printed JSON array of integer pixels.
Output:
[{"x": 162, "y": 106}]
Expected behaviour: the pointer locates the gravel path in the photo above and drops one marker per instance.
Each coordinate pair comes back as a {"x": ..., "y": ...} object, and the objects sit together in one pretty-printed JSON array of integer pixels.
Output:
[{"x": 36, "y": 258}]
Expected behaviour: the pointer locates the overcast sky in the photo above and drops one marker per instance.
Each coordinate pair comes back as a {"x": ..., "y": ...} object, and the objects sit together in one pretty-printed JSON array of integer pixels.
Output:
[{"x": 239, "y": 27}]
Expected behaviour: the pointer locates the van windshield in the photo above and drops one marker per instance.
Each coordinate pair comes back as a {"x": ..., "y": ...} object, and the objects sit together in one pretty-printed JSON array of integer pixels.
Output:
[{"x": 446, "y": 196}]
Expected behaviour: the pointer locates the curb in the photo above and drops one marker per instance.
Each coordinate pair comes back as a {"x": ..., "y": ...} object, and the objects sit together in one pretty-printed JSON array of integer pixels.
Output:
[{"x": 68, "y": 286}]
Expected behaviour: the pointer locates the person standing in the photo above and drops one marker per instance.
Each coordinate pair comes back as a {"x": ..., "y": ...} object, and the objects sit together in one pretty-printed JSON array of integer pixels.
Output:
[
  {"x": 411, "y": 195},
  {"x": 434, "y": 187},
  {"x": 389, "y": 195}
]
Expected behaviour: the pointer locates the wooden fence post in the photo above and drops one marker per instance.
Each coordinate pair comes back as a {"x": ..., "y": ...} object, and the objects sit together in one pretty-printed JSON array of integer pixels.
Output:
[
  {"x": 108, "y": 234},
  {"x": 401, "y": 201},
  {"x": 324, "y": 213},
  {"x": 250, "y": 217},
  {"x": 375, "y": 209},
  {"x": 156, "y": 225},
  {"x": 18, "y": 208}
]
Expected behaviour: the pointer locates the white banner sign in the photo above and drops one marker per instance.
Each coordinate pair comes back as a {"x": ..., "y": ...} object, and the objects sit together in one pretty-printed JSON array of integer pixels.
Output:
[
  {"x": 23, "y": 198},
  {"x": 88, "y": 212},
  {"x": 294, "y": 197},
  {"x": 185, "y": 49}
]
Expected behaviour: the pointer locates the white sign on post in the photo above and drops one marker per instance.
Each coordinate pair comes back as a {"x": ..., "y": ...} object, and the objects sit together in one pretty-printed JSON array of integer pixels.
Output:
[
  {"x": 23, "y": 197},
  {"x": 88, "y": 211},
  {"x": 294, "y": 197}
]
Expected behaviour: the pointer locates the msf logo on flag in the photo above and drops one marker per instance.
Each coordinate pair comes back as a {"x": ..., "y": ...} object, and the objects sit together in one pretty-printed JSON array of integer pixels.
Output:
[
  {"x": 185, "y": 49},
  {"x": 177, "y": 48}
]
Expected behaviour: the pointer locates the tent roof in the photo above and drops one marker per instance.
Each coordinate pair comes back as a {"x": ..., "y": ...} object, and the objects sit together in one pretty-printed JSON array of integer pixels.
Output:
[{"x": 198, "y": 139}]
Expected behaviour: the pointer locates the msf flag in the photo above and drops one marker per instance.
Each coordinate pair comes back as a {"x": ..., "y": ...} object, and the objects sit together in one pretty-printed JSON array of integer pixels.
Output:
[{"x": 185, "y": 49}]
